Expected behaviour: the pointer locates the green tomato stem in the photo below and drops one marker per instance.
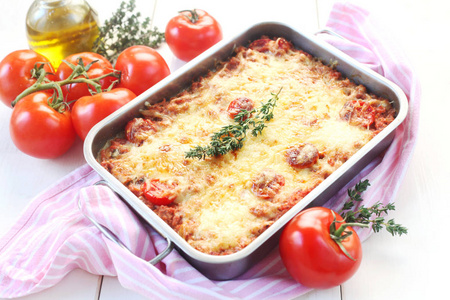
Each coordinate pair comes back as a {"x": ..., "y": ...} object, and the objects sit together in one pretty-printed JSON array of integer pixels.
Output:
[
  {"x": 339, "y": 234},
  {"x": 194, "y": 15},
  {"x": 341, "y": 229}
]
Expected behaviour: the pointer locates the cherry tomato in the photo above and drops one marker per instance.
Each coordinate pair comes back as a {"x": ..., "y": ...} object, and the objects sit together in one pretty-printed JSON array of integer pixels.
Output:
[
  {"x": 239, "y": 104},
  {"x": 89, "y": 110},
  {"x": 75, "y": 91},
  {"x": 15, "y": 73},
  {"x": 191, "y": 33},
  {"x": 139, "y": 129},
  {"x": 38, "y": 129},
  {"x": 160, "y": 192},
  {"x": 311, "y": 256},
  {"x": 141, "y": 68}
]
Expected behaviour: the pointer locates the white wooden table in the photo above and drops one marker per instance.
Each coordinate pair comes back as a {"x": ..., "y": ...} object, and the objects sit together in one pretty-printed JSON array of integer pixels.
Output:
[{"x": 407, "y": 267}]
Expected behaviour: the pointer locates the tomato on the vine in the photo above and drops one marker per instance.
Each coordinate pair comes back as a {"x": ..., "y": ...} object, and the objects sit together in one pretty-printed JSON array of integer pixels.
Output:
[
  {"x": 15, "y": 73},
  {"x": 312, "y": 256},
  {"x": 191, "y": 32},
  {"x": 100, "y": 67},
  {"x": 40, "y": 130},
  {"x": 141, "y": 67},
  {"x": 89, "y": 110}
]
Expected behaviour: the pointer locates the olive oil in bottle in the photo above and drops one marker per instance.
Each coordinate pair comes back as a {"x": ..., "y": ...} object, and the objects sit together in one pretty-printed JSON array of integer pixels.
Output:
[{"x": 58, "y": 28}]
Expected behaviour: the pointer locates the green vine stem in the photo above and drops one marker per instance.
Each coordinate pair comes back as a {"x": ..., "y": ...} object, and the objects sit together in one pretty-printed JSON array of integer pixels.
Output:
[
  {"x": 78, "y": 75},
  {"x": 193, "y": 17}
]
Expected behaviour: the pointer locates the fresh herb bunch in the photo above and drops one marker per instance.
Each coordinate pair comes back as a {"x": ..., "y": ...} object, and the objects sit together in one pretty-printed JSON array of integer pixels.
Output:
[
  {"x": 364, "y": 214},
  {"x": 125, "y": 29},
  {"x": 232, "y": 137}
]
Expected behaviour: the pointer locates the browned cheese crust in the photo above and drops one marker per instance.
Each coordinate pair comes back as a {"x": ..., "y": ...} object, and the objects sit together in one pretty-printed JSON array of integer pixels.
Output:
[{"x": 223, "y": 203}]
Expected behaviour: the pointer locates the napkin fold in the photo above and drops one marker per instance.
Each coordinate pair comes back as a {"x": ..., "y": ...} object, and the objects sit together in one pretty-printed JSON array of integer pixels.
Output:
[{"x": 53, "y": 236}]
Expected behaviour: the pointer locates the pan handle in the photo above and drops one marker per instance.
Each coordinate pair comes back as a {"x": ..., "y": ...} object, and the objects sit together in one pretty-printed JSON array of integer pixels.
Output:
[
  {"x": 330, "y": 32},
  {"x": 109, "y": 234}
]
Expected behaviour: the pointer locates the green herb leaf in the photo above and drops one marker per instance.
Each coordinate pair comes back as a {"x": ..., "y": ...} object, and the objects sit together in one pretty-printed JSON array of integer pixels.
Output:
[
  {"x": 232, "y": 137},
  {"x": 369, "y": 215},
  {"x": 125, "y": 29}
]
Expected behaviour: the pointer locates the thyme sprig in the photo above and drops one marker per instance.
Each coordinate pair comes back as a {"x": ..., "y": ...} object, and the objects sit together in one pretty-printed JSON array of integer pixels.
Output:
[
  {"x": 362, "y": 217},
  {"x": 373, "y": 215},
  {"x": 231, "y": 137},
  {"x": 125, "y": 29}
]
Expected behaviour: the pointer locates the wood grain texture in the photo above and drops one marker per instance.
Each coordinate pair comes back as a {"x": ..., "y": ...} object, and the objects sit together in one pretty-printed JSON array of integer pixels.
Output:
[{"x": 407, "y": 267}]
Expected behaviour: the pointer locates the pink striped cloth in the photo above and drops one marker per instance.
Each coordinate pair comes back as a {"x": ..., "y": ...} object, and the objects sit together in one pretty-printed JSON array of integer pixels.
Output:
[{"x": 52, "y": 237}]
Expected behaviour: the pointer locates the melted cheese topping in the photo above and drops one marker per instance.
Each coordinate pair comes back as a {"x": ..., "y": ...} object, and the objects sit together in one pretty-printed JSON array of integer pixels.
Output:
[{"x": 220, "y": 212}]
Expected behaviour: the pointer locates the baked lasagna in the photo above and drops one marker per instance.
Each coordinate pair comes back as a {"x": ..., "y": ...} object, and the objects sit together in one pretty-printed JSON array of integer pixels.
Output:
[{"x": 220, "y": 203}]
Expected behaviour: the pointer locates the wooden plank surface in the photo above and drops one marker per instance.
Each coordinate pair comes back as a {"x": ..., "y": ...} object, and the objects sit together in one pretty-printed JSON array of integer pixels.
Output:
[{"x": 408, "y": 267}]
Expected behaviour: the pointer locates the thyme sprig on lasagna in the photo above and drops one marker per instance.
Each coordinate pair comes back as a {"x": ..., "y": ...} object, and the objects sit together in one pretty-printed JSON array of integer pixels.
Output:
[
  {"x": 231, "y": 137},
  {"x": 363, "y": 215}
]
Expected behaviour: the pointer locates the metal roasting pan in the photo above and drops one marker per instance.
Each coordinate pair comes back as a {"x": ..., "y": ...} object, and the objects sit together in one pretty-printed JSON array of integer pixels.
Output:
[{"x": 229, "y": 266}]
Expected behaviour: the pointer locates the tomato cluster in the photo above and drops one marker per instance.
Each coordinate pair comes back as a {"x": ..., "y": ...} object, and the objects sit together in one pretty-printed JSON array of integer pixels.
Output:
[
  {"x": 47, "y": 117},
  {"x": 53, "y": 107},
  {"x": 43, "y": 127}
]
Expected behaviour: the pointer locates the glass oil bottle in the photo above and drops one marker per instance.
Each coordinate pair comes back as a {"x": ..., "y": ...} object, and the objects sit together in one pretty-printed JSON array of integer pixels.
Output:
[{"x": 58, "y": 28}]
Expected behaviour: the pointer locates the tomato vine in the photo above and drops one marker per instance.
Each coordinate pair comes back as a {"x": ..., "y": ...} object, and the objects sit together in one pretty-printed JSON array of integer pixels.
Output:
[{"x": 79, "y": 75}]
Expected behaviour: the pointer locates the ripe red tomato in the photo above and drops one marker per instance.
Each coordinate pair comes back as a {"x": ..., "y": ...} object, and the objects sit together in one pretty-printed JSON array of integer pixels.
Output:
[
  {"x": 141, "y": 68},
  {"x": 75, "y": 91},
  {"x": 15, "y": 73},
  {"x": 39, "y": 130},
  {"x": 160, "y": 192},
  {"x": 191, "y": 33},
  {"x": 311, "y": 256},
  {"x": 89, "y": 110}
]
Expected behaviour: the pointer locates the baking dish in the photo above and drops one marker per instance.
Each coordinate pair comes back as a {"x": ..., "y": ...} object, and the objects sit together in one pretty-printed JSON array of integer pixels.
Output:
[{"x": 229, "y": 266}]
